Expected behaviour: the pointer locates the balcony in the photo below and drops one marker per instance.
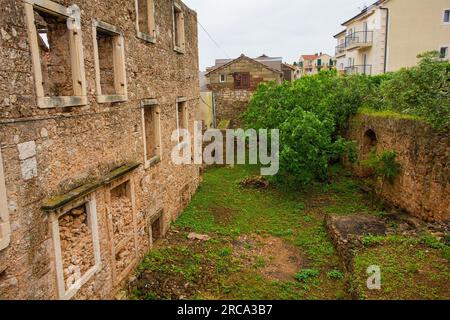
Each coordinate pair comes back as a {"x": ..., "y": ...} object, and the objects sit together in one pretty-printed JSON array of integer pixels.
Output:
[
  {"x": 340, "y": 50},
  {"x": 360, "y": 69},
  {"x": 360, "y": 39}
]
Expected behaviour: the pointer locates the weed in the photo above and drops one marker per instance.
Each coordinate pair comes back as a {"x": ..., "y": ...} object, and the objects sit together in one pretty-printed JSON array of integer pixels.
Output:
[
  {"x": 306, "y": 274},
  {"x": 335, "y": 274}
]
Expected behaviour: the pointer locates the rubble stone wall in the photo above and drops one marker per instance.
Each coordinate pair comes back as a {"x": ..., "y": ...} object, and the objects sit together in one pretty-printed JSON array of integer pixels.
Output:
[
  {"x": 232, "y": 102},
  {"x": 423, "y": 186},
  {"x": 49, "y": 152}
]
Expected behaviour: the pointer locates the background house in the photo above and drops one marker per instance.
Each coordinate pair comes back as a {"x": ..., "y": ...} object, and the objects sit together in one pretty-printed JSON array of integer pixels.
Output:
[
  {"x": 314, "y": 63},
  {"x": 382, "y": 37},
  {"x": 233, "y": 83}
]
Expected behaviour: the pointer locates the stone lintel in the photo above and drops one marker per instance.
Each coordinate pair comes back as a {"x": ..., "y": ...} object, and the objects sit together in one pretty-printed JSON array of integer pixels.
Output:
[{"x": 59, "y": 201}]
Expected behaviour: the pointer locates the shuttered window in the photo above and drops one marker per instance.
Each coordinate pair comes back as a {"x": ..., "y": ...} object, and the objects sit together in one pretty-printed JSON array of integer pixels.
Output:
[{"x": 242, "y": 80}]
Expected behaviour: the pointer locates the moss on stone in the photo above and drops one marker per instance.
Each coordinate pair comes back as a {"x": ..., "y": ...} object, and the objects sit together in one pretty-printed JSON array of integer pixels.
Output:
[
  {"x": 388, "y": 114},
  {"x": 59, "y": 201}
]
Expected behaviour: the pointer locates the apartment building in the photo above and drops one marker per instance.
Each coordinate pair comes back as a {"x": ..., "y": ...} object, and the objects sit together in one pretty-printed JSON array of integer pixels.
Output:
[
  {"x": 389, "y": 34},
  {"x": 314, "y": 63},
  {"x": 90, "y": 93}
]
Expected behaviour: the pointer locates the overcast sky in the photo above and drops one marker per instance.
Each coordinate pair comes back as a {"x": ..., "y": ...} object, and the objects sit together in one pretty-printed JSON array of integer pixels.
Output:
[{"x": 282, "y": 28}]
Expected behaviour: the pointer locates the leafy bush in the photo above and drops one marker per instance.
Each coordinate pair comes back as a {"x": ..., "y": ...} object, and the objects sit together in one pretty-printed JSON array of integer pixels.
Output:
[
  {"x": 423, "y": 90},
  {"x": 313, "y": 111},
  {"x": 310, "y": 113},
  {"x": 385, "y": 165}
]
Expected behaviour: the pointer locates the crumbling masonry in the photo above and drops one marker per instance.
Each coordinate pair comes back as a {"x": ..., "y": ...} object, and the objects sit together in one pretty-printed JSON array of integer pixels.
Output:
[{"x": 89, "y": 96}]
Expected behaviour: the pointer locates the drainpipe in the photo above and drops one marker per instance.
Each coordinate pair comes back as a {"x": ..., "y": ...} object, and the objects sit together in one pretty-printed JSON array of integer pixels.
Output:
[{"x": 386, "y": 38}]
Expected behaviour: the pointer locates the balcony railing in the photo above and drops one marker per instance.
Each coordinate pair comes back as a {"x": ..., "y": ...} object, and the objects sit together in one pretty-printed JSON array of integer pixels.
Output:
[
  {"x": 340, "y": 49},
  {"x": 361, "y": 69},
  {"x": 359, "y": 38}
]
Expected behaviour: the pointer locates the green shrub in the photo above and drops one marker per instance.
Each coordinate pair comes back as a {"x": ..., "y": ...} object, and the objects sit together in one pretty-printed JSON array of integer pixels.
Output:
[
  {"x": 423, "y": 90},
  {"x": 313, "y": 112},
  {"x": 385, "y": 165},
  {"x": 310, "y": 113}
]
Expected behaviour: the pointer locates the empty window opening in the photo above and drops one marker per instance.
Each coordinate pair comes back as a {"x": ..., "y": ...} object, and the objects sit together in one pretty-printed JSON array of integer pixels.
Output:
[
  {"x": 178, "y": 28},
  {"x": 122, "y": 212},
  {"x": 77, "y": 246},
  {"x": 370, "y": 141},
  {"x": 152, "y": 136},
  {"x": 54, "y": 54},
  {"x": 146, "y": 18},
  {"x": 110, "y": 63},
  {"x": 182, "y": 117},
  {"x": 122, "y": 223},
  {"x": 156, "y": 227},
  {"x": 106, "y": 59}
]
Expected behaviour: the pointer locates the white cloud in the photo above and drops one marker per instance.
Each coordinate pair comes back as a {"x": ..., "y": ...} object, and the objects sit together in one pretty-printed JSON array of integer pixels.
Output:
[{"x": 284, "y": 28}]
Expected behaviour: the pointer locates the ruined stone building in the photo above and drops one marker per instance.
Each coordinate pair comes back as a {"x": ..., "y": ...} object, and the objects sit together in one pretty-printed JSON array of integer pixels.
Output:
[
  {"x": 233, "y": 83},
  {"x": 89, "y": 97}
]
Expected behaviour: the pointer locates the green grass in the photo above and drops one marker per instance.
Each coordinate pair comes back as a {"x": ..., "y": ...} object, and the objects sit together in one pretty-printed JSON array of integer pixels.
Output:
[
  {"x": 411, "y": 268},
  {"x": 221, "y": 269},
  {"x": 389, "y": 114}
]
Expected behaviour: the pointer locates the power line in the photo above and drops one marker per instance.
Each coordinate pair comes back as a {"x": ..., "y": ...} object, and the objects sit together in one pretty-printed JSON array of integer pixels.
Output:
[{"x": 212, "y": 39}]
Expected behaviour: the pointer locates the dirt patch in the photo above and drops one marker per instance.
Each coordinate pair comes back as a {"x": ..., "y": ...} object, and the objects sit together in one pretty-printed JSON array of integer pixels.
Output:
[
  {"x": 154, "y": 285},
  {"x": 277, "y": 259},
  {"x": 223, "y": 216},
  {"x": 256, "y": 182},
  {"x": 167, "y": 278}
]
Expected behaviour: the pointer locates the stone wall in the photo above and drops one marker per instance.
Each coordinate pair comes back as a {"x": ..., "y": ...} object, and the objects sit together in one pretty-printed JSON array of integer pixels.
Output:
[
  {"x": 49, "y": 152},
  {"x": 423, "y": 187},
  {"x": 232, "y": 102}
]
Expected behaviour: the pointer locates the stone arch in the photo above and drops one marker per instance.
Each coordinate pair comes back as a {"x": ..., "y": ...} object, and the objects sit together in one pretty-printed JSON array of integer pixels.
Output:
[{"x": 370, "y": 141}]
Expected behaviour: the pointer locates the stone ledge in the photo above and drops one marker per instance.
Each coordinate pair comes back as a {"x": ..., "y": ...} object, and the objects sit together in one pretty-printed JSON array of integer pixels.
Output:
[
  {"x": 59, "y": 201},
  {"x": 346, "y": 232}
]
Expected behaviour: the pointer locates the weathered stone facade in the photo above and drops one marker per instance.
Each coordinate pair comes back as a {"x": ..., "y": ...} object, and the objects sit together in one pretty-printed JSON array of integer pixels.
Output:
[
  {"x": 98, "y": 220},
  {"x": 423, "y": 186},
  {"x": 232, "y": 100}
]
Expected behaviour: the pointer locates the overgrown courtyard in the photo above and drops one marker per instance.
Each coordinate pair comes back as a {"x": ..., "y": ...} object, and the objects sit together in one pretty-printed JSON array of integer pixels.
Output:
[{"x": 272, "y": 243}]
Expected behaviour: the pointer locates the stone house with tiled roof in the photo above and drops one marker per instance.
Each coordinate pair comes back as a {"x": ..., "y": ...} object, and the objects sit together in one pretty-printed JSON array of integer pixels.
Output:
[{"x": 233, "y": 83}]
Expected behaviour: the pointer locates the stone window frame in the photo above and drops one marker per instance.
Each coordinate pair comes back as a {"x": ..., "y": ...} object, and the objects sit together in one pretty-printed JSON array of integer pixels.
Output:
[
  {"x": 143, "y": 35},
  {"x": 91, "y": 208},
  {"x": 151, "y": 103},
  {"x": 117, "y": 278},
  {"x": 76, "y": 52},
  {"x": 181, "y": 46},
  {"x": 5, "y": 228},
  {"x": 183, "y": 101},
  {"x": 120, "y": 78}
]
